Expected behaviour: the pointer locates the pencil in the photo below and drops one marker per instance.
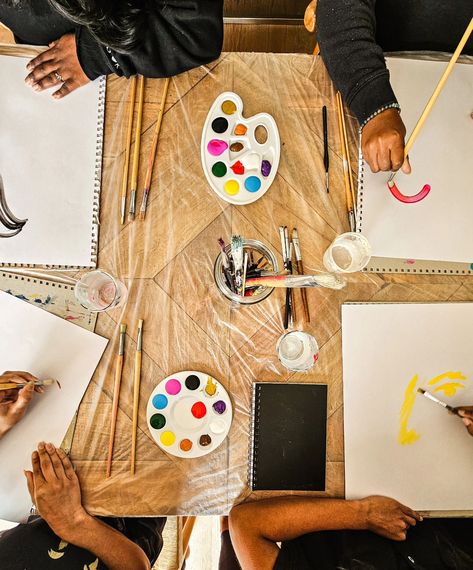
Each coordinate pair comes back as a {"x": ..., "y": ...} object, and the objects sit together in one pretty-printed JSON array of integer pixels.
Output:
[
  {"x": 348, "y": 195},
  {"x": 136, "y": 392},
  {"x": 152, "y": 154},
  {"x": 14, "y": 385},
  {"x": 126, "y": 164},
  {"x": 116, "y": 396},
  {"x": 136, "y": 154}
]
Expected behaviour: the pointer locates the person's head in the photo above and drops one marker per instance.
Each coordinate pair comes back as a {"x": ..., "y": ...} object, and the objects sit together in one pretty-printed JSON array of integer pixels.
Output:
[{"x": 118, "y": 24}]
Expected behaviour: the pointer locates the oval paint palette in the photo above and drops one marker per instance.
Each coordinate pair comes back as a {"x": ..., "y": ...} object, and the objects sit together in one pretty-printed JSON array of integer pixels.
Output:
[
  {"x": 189, "y": 414},
  {"x": 239, "y": 164}
]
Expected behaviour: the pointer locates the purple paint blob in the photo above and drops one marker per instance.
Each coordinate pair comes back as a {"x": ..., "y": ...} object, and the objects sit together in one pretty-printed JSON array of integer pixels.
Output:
[
  {"x": 173, "y": 387},
  {"x": 219, "y": 407},
  {"x": 265, "y": 168},
  {"x": 216, "y": 147}
]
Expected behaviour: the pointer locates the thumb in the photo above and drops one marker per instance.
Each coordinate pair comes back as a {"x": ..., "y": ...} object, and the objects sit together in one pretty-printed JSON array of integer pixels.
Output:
[
  {"x": 406, "y": 166},
  {"x": 18, "y": 408},
  {"x": 30, "y": 483}
]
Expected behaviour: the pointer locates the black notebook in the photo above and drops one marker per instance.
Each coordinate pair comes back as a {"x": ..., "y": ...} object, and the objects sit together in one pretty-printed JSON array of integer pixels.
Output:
[{"x": 289, "y": 430}]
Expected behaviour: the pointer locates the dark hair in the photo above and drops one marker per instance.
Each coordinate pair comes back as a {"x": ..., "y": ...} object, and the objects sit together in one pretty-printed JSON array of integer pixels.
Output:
[{"x": 117, "y": 24}]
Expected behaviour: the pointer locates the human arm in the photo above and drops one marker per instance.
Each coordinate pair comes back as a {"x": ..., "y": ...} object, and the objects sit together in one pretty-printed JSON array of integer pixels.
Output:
[
  {"x": 346, "y": 32},
  {"x": 256, "y": 527},
  {"x": 14, "y": 403},
  {"x": 55, "y": 490}
]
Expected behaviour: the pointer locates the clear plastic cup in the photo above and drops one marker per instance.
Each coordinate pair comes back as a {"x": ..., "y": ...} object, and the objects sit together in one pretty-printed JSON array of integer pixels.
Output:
[
  {"x": 297, "y": 351},
  {"x": 347, "y": 253},
  {"x": 99, "y": 291}
]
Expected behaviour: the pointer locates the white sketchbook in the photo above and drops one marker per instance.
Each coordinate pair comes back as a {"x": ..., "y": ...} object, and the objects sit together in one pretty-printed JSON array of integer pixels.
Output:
[
  {"x": 48, "y": 347},
  {"x": 50, "y": 162},
  {"x": 439, "y": 227},
  {"x": 398, "y": 443}
]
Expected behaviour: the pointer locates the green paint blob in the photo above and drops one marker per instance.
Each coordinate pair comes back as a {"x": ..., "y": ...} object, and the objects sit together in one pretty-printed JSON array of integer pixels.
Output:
[
  {"x": 157, "y": 421},
  {"x": 219, "y": 169}
]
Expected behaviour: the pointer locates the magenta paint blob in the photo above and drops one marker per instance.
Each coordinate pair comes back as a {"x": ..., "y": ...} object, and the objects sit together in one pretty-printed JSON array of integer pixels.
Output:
[
  {"x": 216, "y": 147},
  {"x": 173, "y": 387}
]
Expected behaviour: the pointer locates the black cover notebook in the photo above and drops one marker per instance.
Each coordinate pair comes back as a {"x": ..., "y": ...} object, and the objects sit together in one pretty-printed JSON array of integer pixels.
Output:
[{"x": 289, "y": 430}]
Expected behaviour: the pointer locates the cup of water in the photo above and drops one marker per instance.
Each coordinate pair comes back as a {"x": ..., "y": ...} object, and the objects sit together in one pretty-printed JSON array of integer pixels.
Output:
[
  {"x": 347, "y": 253},
  {"x": 298, "y": 351},
  {"x": 99, "y": 291}
]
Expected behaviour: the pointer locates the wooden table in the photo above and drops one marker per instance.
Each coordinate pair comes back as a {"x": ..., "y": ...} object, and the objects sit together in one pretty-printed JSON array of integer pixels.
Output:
[{"x": 167, "y": 263}]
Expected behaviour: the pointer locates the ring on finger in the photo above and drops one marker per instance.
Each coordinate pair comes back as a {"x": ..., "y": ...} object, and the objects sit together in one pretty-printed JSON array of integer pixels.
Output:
[{"x": 58, "y": 76}]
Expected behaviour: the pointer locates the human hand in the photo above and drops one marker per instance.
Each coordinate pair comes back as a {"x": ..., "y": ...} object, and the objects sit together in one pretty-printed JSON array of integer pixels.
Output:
[
  {"x": 54, "y": 489},
  {"x": 388, "y": 518},
  {"x": 382, "y": 142},
  {"x": 14, "y": 403},
  {"x": 59, "y": 64},
  {"x": 466, "y": 413}
]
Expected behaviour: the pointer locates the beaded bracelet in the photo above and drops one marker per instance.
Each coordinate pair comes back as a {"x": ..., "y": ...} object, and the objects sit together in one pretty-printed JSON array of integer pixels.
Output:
[{"x": 380, "y": 110}]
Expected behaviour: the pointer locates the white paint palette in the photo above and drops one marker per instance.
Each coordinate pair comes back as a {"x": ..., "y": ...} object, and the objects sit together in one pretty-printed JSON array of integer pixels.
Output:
[
  {"x": 238, "y": 167},
  {"x": 189, "y": 414}
]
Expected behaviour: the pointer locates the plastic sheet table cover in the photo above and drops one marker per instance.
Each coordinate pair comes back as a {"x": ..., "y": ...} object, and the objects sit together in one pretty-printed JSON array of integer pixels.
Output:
[{"x": 167, "y": 263}]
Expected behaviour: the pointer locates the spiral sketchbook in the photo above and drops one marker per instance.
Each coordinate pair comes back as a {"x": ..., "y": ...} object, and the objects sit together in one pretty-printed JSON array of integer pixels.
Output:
[
  {"x": 434, "y": 235},
  {"x": 50, "y": 169},
  {"x": 288, "y": 437}
]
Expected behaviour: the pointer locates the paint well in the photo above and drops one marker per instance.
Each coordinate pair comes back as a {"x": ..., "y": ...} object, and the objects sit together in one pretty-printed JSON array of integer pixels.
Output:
[
  {"x": 185, "y": 445},
  {"x": 211, "y": 388},
  {"x": 405, "y": 435},
  {"x": 167, "y": 438},
  {"x": 219, "y": 407},
  {"x": 252, "y": 184},
  {"x": 199, "y": 410},
  {"x": 229, "y": 107},
  {"x": 231, "y": 187},
  {"x": 173, "y": 387},
  {"x": 265, "y": 168},
  {"x": 219, "y": 125},
  {"x": 192, "y": 382},
  {"x": 236, "y": 147},
  {"x": 157, "y": 421},
  {"x": 217, "y": 427},
  {"x": 238, "y": 168},
  {"x": 216, "y": 147},
  {"x": 219, "y": 169},
  {"x": 205, "y": 440},
  {"x": 160, "y": 401},
  {"x": 240, "y": 129}
]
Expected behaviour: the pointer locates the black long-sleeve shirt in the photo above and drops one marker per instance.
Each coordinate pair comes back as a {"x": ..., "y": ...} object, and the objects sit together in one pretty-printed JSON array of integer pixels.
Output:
[
  {"x": 354, "y": 33},
  {"x": 180, "y": 35}
]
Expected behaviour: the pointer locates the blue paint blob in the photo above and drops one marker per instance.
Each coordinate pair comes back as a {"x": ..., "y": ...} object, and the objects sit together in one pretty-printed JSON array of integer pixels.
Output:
[
  {"x": 252, "y": 184},
  {"x": 160, "y": 401}
]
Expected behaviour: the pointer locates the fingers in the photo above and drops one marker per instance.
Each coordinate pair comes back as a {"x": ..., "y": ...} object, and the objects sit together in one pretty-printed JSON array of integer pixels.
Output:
[
  {"x": 36, "y": 465},
  {"x": 17, "y": 376},
  {"x": 66, "y": 463},
  {"x": 24, "y": 398},
  {"x": 41, "y": 72},
  {"x": 67, "y": 87},
  {"x": 469, "y": 425},
  {"x": 48, "y": 55},
  {"x": 56, "y": 461},
  {"x": 406, "y": 166},
  {"x": 47, "y": 467},
  {"x": 465, "y": 411},
  {"x": 30, "y": 484},
  {"x": 410, "y": 513}
]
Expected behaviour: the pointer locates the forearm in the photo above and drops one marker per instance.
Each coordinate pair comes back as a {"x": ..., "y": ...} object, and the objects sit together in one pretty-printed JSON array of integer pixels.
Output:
[
  {"x": 286, "y": 518},
  {"x": 114, "y": 549},
  {"x": 346, "y": 32}
]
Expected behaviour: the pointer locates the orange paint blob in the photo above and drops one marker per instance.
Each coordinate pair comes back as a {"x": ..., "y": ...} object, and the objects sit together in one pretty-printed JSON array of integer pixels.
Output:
[{"x": 186, "y": 445}]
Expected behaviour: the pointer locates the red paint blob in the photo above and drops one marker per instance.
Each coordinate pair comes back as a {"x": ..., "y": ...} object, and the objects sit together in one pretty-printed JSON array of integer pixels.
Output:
[
  {"x": 198, "y": 410},
  {"x": 238, "y": 167},
  {"x": 408, "y": 199}
]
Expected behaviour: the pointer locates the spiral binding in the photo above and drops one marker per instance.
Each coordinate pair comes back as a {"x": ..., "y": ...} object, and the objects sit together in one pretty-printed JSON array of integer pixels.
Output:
[
  {"x": 97, "y": 187},
  {"x": 359, "y": 198},
  {"x": 18, "y": 277},
  {"x": 254, "y": 436}
]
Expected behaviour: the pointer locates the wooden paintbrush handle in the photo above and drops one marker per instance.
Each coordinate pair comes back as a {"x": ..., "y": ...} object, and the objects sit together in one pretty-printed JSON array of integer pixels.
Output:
[
  {"x": 113, "y": 422},
  {"x": 136, "y": 399},
  {"x": 305, "y": 304}
]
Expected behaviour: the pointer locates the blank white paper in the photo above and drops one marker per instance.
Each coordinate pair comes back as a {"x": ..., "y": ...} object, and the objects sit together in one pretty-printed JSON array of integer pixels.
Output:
[
  {"x": 32, "y": 339},
  {"x": 440, "y": 226},
  {"x": 384, "y": 346},
  {"x": 48, "y": 164}
]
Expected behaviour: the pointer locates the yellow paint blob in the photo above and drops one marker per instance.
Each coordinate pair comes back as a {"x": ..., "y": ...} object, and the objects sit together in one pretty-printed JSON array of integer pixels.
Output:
[
  {"x": 168, "y": 438},
  {"x": 229, "y": 107},
  {"x": 450, "y": 388},
  {"x": 211, "y": 387},
  {"x": 406, "y": 436},
  {"x": 231, "y": 187}
]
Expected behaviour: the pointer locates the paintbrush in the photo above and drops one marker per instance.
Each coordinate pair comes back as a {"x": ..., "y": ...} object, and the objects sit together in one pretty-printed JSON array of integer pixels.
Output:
[
  {"x": 13, "y": 385},
  {"x": 136, "y": 151},
  {"x": 237, "y": 256},
  {"x": 348, "y": 195},
  {"x": 326, "y": 155},
  {"x": 116, "y": 396},
  {"x": 284, "y": 252},
  {"x": 126, "y": 164},
  {"x": 431, "y": 397},
  {"x": 136, "y": 393},
  {"x": 300, "y": 270},
  {"x": 328, "y": 280}
]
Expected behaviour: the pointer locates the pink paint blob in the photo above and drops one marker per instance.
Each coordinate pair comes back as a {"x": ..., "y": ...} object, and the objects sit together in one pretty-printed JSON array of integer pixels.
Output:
[
  {"x": 408, "y": 199},
  {"x": 216, "y": 147},
  {"x": 173, "y": 387},
  {"x": 410, "y": 261}
]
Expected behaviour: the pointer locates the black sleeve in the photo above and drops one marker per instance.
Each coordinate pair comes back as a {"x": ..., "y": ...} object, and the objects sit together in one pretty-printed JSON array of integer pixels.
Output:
[
  {"x": 346, "y": 32},
  {"x": 180, "y": 36}
]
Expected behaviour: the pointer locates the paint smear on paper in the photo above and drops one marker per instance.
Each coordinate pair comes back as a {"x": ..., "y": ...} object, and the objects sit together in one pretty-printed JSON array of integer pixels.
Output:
[
  {"x": 407, "y": 436},
  {"x": 449, "y": 388}
]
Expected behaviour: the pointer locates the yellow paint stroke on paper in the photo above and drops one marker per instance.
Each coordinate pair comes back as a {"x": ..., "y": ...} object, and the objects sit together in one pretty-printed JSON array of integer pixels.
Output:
[
  {"x": 407, "y": 436},
  {"x": 449, "y": 388}
]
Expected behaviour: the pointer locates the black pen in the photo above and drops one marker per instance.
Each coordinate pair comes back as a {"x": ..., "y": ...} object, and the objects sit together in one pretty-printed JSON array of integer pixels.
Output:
[{"x": 326, "y": 161}]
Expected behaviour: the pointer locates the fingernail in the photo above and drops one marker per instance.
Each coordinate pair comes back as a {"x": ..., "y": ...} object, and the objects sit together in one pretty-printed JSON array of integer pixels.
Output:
[
  {"x": 35, "y": 454},
  {"x": 466, "y": 421},
  {"x": 50, "y": 447},
  {"x": 41, "y": 445},
  {"x": 36, "y": 87},
  {"x": 29, "y": 66}
]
